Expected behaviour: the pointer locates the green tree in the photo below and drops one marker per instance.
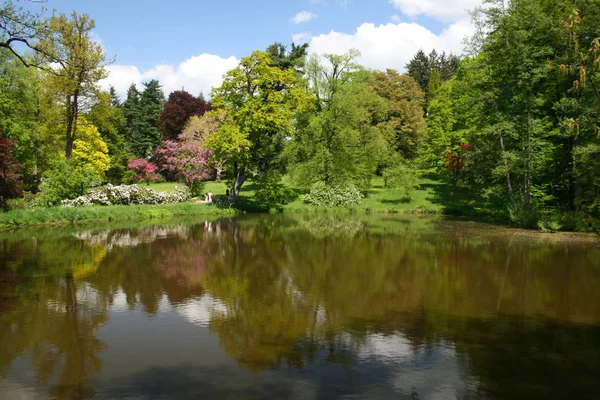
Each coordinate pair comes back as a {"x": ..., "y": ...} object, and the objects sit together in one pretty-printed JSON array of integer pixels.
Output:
[
  {"x": 404, "y": 125},
  {"x": 107, "y": 116},
  {"x": 341, "y": 143},
  {"x": 81, "y": 63},
  {"x": 19, "y": 111},
  {"x": 261, "y": 101}
]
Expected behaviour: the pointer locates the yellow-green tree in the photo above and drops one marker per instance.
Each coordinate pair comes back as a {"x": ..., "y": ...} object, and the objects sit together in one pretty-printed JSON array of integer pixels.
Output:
[
  {"x": 261, "y": 101},
  {"x": 81, "y": 64},
  {"x": 89, "y": 150}
]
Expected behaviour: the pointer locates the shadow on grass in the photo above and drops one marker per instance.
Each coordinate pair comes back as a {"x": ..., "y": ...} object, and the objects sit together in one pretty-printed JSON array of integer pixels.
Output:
[
  {"x": 404, "y": 200},
  {"x": 456, "y": 201}
]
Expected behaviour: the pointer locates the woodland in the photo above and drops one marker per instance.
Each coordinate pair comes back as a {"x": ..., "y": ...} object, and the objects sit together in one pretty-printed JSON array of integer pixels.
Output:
[{"x": 510, "y": 129}]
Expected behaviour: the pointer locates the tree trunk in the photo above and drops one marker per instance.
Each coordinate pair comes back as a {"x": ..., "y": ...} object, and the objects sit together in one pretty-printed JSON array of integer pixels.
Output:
[
  {"x": 219, "y": 172},
  {"x": 508, "y": 181},
  {"x": 72, "y": 112},
  {"x": 240, "y": 178}
]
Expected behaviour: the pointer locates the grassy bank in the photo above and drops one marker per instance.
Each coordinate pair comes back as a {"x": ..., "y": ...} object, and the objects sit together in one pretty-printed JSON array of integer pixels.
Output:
[
  {"x": 432, "y": 197},
  {"x": 59, "y": 215}
]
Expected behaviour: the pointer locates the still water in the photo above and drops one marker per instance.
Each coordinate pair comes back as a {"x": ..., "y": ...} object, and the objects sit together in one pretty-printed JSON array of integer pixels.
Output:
[{"x": 320, "y": 307}]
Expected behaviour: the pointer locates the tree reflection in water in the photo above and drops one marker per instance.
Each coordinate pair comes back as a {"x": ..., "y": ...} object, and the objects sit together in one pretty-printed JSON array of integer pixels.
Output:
[{"x": 511, "y": 312}]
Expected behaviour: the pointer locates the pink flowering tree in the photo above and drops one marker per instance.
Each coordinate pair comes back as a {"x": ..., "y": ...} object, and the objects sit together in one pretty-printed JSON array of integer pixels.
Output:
[
  {"x": 144, "y": 170},
  {"x": 187, "y": 159}
]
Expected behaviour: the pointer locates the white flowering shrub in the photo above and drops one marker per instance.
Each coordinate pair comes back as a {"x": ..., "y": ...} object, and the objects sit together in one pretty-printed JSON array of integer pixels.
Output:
[
  {"x": 333, "y": 196},
  {"x": 127, "y": 194}
]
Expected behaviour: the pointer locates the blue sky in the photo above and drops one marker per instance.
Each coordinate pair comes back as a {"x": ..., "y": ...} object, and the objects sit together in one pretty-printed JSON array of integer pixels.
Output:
[{"x": 192, "y": 43}]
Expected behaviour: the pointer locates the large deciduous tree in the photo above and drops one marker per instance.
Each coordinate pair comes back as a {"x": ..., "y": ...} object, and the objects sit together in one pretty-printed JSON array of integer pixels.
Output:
[
  {"x": 176, "y": 112},
  {"x": 10, "y": 182},
  {"x": 81, "y": 64},
  {"x": 107, "y": 116},
  {"x": 19, "y": 26},
  {"x": 340, "y": 143},
  {"x": 404, "y": 126},
  {"x": 261, "y": 101}
]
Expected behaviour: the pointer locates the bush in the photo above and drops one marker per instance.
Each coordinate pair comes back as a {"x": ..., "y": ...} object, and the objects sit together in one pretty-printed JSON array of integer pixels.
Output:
[
  {"x": 65, "y": 181},
  {"x": 334, "y": 196},
  {"x": 524, "y": 216},
  {"x": 127, "y": 194},
  {"x": 270, "y": 193},
  {"x": 402, "y": 179}
]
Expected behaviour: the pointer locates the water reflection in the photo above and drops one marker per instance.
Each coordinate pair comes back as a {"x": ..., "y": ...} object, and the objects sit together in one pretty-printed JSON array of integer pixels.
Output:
[{"x": 309, "y": 307}]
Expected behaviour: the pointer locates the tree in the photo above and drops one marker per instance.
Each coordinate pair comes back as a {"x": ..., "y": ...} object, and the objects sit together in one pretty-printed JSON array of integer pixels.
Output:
[
  {"x": 133, "y": 119},
  {"x": 403, "y": 126},
  {"x": 144, "y": 170},
  {"x": 187, "y": 157},
  {"x": 142, "y": 112},
  {"x": 10, "y": 182},
  {"x": 261, "y": 101},
  {"x": 19, "y": 112},
  {"x": 421, "y": 67},
  {"x": 340, "y": 144},
  {"x": 151, "y": 104},
  {"x": 205, "y": 127},
  {"x": 176, "y": 112},
  {"x": 89, "y": 150},
  {"x": 18, "y": 26},
  {"x": 108, "y": 117},
  {"x": 81, "y": 63},
  {"x": 284, "y": 59}
]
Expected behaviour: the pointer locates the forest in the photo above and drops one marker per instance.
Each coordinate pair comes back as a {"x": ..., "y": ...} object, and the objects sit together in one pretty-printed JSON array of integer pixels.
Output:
[{"x": 512, "y": 125}]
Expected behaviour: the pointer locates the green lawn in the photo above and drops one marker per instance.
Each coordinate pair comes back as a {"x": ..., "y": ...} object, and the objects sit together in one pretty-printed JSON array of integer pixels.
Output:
[{"x": 432, "y": 197}]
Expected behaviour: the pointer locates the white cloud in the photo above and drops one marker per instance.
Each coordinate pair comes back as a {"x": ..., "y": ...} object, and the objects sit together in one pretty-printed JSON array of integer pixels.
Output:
[
  {"x": 196, "y": 74},
  {"x": 392, "y": 45},
  {"x": 303, "y": 16},
  {"x": 443, "y": 10},
  {"x": 302, "y": 37},
  {"x": 396, "y": 18}
]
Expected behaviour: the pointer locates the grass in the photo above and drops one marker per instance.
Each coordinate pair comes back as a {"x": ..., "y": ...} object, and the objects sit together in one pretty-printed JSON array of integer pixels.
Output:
[
  {"x": 432, "y": 197},
  {"x": 59, "y": 215}
]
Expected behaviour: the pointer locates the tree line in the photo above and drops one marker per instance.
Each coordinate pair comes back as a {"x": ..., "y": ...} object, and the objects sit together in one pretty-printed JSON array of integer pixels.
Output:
[{"x": 515, "y": 122}]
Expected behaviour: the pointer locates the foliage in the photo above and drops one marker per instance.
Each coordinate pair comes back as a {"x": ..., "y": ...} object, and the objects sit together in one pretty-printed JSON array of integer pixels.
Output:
[
  {"x": 144, "y": 170},
  {"x": 81, "y": 64},
  {"x": 142, "y": 112},
  {"x": 89, "y": 150},
  {"x": 404, "y": 125},
  {"x": 19, "y": 110},
  {"x": 65, "y": 181},
  {"x": 422, "y": 66},
  {"x": 333, "y": 196},
  {"x": 10, "y": 182},
  {"x": 19, "y": 26},
  {"x": 401, "y": 178},
  {"x": 177, "y": 111},
  {"x": 271, "y": 193},
  {"x": 187, "y": 158},
  {"x": 341, "y": 143},
  {"x": 261, "y": 101},
  {"x": 127, "y": 194},
  {"x": 107, "y": 116}
]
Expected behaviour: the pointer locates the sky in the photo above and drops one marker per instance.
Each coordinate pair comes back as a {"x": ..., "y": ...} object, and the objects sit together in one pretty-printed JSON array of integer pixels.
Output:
[{"x": 190, "y": 44}]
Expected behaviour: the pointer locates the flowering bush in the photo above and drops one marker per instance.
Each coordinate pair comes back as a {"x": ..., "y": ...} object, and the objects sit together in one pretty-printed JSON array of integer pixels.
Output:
[
  {"x": 127, "y": 194},
  {"x": 144, "y": 170}
]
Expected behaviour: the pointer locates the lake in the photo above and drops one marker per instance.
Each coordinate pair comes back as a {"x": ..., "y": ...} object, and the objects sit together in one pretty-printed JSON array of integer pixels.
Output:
[{"x": 299, "y": 307}]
